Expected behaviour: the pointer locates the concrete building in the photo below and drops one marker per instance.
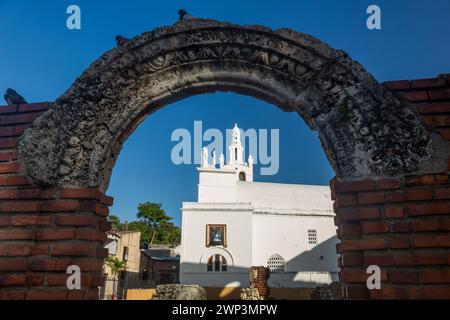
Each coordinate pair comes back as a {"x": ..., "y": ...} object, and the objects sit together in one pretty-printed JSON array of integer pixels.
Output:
[
  {"x": 238, "y": 223},
  {"x": 124, "y": 245}
]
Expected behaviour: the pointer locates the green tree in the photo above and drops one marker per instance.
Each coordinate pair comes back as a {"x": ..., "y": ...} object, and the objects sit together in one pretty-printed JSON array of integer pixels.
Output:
[
  {"x": 115, "y": 267},
  {"x": 115, "y": 222},
  {"x": 144, "y": 228},
  {"x": 154, "y": 216}
]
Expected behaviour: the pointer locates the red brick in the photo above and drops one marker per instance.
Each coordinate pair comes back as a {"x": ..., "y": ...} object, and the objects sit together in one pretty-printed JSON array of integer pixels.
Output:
[
  {"x": 357, "y": 292},
  {"x": 380, "y": 259},
  {"x": 419, "y": 194},
  {"x": 30, "y": 220},
  {"x": 444, "y": 224},
  {"x": 5, "y": 156},
  {"x": 25, "y": 250},
  {"x": 89, "y": 264},
  {"x": 61, "y": 280},
  {"x": 370, "y": 197},
  {"x": 403, "y": 276},
  {"x": 17, "y": 234},
  {"x": 441, "y": 120},
  {"x": 430, "y": 258},
  {"x": 358, "y": 276},
  {"x": 90, "y": 193},
  {"x": 90, "y": 235},
  {"x": 9, "y": 167},
  {"x": 394, "y": 212},
  {"x": 102, "y": 252},
  {"x": 94, "y": 207},
  {"x": 397, "y": 85},
  {"x": 348, "y": 229},
  {"x": 12, "y": 294},
  {"x": 442, "y": 193},
  {"x": 435, "y": 276},
  {"x": 399, "y": 242},
  {"x": 384, "y": 184},
  {"x": 42, "y": 106},
  {"x": 431, "y": 241},
  {"x": 47, "y": 294},
  {"x": 74, "y": 249},
  {"x": 13, "y": 280},
  {"x": 428, "y": 83},
  {"x": 427, "y": 179},
  {"x": 432, "y": 208},
  {"x": 429, "y": 292},
  {"x": 435, "y": 108},
  {"x": 345, "y": 200},
  {"x": 105, "y": 225},
  {"x": 440, "y": 94},
  {"x": 358, "y": 213},
  {"x": 350, "y": 186},
  {"x": 55, "y": 234},
  {"x": 363, "y": 244},
  {"x": 401, "y": 226},
  {"x": 60, "y": 205},
  {"x": 20, "y": 206},
  {"x": 49, "y": 264},
  {"x": 78, "y": 220},
  {"x": 17, "y": 181},
  {"x": 375, "y": 227},
  {"x": 4, "y": 220},
  {"x": 389, "y": 293},
  {"x": 20, "y": 118},
  {"x": 107, "y": 201},
  {"x": 6, "y": 131},
  {"x": 424, "y": 225},
  {"x": 8, "y": 109},
  {"x": 415, "y": 95},
  {"x": 397, "y": 196},
  {"x": 13, "y": 264}
]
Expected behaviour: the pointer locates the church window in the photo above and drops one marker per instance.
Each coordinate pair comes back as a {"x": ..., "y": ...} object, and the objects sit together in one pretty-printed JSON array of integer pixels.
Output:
[
  {"x": 276, "y": 263},
  {"x": 217, "y": 263},
  {"x": 241, "y": 176},
  {"x": 312, "y": 236}
]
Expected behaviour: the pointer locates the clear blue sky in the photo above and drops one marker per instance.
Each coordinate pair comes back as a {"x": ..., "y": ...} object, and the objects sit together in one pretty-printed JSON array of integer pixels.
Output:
[{"x": 40, "y": 57}]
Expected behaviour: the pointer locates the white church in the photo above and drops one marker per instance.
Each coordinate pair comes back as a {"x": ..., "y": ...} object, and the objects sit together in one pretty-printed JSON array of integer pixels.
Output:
[{"x": 238, "y": 223}]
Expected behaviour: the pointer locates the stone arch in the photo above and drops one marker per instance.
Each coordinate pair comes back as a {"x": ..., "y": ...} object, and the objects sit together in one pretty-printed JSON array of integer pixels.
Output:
[
  {"x": 365, "y": 130},
  {"x": 391, "y": 192}
]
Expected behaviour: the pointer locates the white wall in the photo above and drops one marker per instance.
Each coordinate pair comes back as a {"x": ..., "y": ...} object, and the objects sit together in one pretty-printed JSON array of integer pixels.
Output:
[
  {"x": 195, "y": 217},
  {"x": 287, "y": 236}
]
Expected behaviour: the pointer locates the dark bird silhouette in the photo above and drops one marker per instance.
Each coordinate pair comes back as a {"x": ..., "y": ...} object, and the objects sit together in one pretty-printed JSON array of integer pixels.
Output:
[
  {"x": 12, "y": 97},
  {"x": 184, "y": 15},
  {"x": 120, "y": 41}
]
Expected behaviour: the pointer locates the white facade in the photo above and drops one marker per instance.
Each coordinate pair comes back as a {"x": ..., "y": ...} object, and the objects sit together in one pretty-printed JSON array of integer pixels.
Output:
[{"x": 289, "y": 228}]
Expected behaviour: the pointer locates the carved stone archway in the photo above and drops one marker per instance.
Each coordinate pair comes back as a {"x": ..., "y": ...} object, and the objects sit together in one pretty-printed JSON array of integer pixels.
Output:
[
  {"x": 392, "y": 176},
  {"x": 365, "y": 130}
]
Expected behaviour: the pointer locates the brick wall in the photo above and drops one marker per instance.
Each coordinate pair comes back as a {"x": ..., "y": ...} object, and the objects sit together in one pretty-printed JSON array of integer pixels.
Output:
[
  {"x": 400, "y": 224},
  {"x": 43, "y": 231}
]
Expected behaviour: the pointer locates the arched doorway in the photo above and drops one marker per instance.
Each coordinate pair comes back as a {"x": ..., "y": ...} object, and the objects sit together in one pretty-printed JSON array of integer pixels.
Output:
[{"x": 67, "y": 155}]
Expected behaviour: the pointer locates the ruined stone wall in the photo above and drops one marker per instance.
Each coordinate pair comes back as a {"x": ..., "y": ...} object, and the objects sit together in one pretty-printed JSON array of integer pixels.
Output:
[
  {"x": 401, "y": 223},
  {"x": 43, "y": 231}
]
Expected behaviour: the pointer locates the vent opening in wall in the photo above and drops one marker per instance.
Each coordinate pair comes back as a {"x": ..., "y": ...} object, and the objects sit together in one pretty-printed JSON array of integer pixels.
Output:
[
  {"x": 312, "y": 236},
  {"x": 276, "y": 263}
]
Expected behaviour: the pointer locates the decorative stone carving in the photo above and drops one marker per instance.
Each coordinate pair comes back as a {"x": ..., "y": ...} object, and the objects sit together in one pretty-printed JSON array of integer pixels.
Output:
[
  {"x": 179, "y": 292},
  {"x": 365, "y": 129}
]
